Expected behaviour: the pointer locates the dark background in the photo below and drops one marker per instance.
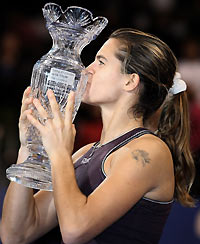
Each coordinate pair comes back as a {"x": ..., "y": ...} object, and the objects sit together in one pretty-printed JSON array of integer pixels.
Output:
[{"x": 24, "y": 39}]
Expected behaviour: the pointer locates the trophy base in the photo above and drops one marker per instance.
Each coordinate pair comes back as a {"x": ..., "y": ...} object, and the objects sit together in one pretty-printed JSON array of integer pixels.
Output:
[{"x": 31, "y": 174}]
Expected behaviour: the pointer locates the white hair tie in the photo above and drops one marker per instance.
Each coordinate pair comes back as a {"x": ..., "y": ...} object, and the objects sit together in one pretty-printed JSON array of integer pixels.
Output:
[{"x": 178, "y": 86}]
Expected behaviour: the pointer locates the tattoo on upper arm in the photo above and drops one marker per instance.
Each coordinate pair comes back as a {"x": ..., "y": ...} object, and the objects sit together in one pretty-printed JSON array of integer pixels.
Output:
[{"x": 141, "y": 156}]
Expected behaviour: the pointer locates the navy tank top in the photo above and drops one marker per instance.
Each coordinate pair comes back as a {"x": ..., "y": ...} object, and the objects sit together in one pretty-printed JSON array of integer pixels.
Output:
[{"x": 144, "y": 222}]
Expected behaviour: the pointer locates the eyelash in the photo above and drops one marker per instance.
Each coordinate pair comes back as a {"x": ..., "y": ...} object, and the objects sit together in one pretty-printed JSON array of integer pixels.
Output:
[{"x": 101, "y": 62}]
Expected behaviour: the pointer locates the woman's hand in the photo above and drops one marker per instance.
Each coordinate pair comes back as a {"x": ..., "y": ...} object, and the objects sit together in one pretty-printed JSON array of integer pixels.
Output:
[
  {"x": 57, "y": 133},
  {"x": 23, "y": 121}
]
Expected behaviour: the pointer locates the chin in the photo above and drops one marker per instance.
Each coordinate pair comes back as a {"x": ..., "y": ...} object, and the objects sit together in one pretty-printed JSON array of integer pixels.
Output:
[
  {"x": 89, "y": 102},
  {"x": 86, "y": 98}
]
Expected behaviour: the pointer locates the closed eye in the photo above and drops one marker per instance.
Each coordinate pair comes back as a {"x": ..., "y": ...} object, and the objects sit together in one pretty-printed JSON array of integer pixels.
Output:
[
  {"x": 101, "y": 62},
  {"x": 101, "y": 59}
]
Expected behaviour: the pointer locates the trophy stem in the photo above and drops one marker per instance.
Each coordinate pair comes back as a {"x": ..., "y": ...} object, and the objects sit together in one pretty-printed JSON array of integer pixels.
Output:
[{"x": 31, "y": 174}]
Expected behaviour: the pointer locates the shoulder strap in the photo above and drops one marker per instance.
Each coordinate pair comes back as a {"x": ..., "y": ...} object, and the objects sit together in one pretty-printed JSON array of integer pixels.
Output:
[{"x": 121, "y": 144}]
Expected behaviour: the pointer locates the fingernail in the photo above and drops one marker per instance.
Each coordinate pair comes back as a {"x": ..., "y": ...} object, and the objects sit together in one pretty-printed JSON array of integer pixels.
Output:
[{"x": 50, "y": 92}]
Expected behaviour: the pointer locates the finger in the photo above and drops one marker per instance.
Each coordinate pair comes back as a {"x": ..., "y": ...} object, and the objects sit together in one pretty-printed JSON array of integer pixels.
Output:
[
  {"x": 26, "y": 99},
  {"x": 26, "y": 103},
  {"x": 35, "y": 123},
  {"x": 42, "y": 112},
  {"x": 54, "y": 105},
  {"x": 23, "y": 116},
  {"x": 70, "y": 107},
  {"x": 26, "y": 93},
  {"x": 74, "y": 129}
]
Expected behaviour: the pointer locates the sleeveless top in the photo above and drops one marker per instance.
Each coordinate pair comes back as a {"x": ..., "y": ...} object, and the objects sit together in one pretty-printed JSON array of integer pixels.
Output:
[{"x": 144, "y": 222}]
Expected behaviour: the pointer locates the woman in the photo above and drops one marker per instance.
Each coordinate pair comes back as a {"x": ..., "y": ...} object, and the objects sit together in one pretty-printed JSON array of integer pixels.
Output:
[{"x": 120, "y": 189}]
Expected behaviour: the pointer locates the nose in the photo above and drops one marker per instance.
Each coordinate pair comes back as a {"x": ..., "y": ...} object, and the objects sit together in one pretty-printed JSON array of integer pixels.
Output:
[{"x": 90, "y": 68}]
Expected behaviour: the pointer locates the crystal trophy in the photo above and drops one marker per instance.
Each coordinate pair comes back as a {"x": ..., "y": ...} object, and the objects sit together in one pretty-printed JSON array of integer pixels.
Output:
[{"x": 61, "y": 70}]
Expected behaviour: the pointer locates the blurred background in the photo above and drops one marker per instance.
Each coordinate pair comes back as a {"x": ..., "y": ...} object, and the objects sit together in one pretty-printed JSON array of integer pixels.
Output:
[{"x": 24, "y": 39}]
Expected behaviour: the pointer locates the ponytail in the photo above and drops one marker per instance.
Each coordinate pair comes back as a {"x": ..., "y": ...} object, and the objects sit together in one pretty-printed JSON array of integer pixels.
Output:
[{"x": 174, "y": 129}]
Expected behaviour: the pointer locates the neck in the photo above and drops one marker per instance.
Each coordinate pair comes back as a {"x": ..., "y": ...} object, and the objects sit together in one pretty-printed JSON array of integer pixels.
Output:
[{"x": 117, "y": 122}]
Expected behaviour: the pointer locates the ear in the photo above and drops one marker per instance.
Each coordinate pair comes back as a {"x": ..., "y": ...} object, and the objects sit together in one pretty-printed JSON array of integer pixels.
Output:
[{"x": 131, "y": 82}]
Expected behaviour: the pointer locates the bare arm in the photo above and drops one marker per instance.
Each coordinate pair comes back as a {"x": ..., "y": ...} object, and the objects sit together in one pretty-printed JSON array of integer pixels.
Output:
[{"x": 26, "y": 217}]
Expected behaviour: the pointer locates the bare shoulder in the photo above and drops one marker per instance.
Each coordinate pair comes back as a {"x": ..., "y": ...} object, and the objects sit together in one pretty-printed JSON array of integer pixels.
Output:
[
  {"x": 145, "y": 163},
  {"x": 153, "y": 145},
  {"x": 78, "y": 154},
  {"x": 147, "y": 149}
]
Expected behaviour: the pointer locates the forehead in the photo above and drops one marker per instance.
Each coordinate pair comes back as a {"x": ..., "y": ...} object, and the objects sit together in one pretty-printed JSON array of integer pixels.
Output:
[{"x": 110, "y": 47}]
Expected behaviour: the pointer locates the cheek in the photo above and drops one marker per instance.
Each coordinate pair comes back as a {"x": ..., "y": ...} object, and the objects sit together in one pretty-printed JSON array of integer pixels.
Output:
[
  {"x": 94, "y": 93},
  {"x": 102, "y": 86}
]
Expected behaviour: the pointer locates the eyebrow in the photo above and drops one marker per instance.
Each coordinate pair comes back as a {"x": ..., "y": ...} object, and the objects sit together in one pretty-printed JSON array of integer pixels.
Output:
[{"x": 101, "y": 57}]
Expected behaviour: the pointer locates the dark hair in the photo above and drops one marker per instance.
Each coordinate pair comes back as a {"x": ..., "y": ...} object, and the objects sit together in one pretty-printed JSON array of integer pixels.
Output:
[{"x": 155, "y": 63}]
